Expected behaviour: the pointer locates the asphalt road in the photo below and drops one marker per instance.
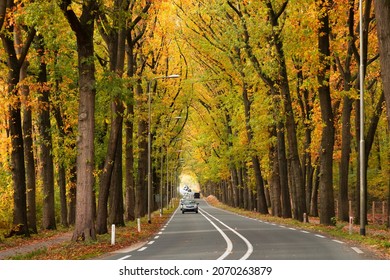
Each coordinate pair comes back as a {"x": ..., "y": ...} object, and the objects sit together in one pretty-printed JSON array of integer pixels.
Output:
[{"x": 215, "y": 234}]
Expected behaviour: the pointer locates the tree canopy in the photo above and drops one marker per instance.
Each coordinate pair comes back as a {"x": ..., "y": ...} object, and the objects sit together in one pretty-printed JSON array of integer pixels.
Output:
[{"x": 259, "y": 100}]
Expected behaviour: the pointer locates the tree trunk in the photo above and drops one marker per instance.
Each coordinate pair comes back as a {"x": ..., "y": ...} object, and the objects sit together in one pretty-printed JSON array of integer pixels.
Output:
[
  {"x": 305, "y": 103},
  {"x": 29, "y": 155},
  {"x": 46, "y": 155},
  {"x": 261, "y": 201},
  {"x": 327, "y": 211},
  {"x": 343, "y": 206},
  {"x": 234, "y": 180},
  {"x": 129, "y": 173},
  {"x": 275, "y": 187},
  {"x": 382, "y": 12},
  {"x": 84, "y": 29},
  {"x": 283, "y": 172},
  {"x": 116, "y": 188},
  {"x": 142, "y": 174},
  {"x": 314, "y": 194},
  {"x": 106, "y": 177},
  {"x": 17, "y": 163}
]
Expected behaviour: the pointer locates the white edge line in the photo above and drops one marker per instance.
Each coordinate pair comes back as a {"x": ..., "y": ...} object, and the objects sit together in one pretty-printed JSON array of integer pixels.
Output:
[
  {"x": 338, "y": 241},
  {"x": 150, "y": 243},
  {"x": 125, "y": 257},
  {"x": 357, "y": 250},
  {"x": 320, "y": 236},
  {"x": 142, "y": 249}
]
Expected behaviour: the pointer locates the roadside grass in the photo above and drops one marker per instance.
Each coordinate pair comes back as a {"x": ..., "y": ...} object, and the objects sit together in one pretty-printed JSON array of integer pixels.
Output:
[
  {"x": 30, "y": 255},
  {"x": 17, "y": 241},
  {"x": 377, "y": 237},
  {"x": 69, "y": 250}
]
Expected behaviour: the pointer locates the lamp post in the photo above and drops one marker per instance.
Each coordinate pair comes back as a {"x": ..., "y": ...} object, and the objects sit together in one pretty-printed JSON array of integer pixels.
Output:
[
  {"x": 150, "y": 143},
  {"x": 362, "y": 143}
]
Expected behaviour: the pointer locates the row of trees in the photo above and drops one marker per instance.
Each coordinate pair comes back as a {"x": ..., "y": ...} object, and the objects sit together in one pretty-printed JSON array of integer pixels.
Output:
[
  {"x": 87, "y": 68},
  {"x": 279, "y": 96},
  {"x": 267, "y": 101}
]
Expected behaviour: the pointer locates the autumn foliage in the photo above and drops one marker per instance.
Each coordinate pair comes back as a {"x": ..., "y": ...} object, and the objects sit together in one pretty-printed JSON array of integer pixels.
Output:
[{"x": 259, "y": 100}]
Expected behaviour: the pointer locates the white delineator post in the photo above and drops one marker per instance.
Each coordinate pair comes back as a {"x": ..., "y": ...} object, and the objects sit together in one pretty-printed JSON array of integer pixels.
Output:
[
  {"x": 113, "y": 234},
  {"x": 350, "y": 224}
]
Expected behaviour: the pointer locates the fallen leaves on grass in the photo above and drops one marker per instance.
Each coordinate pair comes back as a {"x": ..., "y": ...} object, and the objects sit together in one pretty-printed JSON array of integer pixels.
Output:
[{"x": 125, "y": 237}]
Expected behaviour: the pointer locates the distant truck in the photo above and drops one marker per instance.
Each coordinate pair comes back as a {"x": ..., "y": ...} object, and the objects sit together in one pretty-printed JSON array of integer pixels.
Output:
[{"x": 197, "y": 195}]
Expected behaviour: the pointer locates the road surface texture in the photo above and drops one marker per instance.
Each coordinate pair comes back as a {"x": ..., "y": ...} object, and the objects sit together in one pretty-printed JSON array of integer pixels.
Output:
[{"x": 215, "y": 234}]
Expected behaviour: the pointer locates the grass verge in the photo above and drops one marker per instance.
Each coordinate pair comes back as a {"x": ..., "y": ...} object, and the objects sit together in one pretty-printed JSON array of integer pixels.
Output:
[
  {"x": 377, "y": 237},
  {"x": 68, "y": 250}
]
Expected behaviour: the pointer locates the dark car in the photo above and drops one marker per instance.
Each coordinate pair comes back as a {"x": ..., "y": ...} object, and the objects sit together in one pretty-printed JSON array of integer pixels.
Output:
[{"x": 189, "y": 206}]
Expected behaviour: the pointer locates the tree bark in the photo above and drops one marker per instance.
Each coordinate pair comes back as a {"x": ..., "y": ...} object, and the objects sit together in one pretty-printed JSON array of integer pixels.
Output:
[
  {"x": 14, "y": 64},
  {"x": 46, "y": 155},
  {"x": 261, "y": 201},
  {"x": 116, "y": 214},
  {"x": 382, "y": 12},
  {"x": 327, "y": 211},
  {"x": 27, "y": 126},
  {"x": 84, "y": 29}
]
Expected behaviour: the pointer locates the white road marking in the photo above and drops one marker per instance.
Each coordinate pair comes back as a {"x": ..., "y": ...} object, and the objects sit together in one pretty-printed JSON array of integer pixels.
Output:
[
  {"x": 357, "y": 250},
  {"x": 229, "y": 243},
  {"x": 320, "y": 236},
  {"x": 142, "y": 249},
  {"x": 150, "y": 243},
  {"x": 292, "y": 228},
  {"x": 125, "y": 257},
  {"x": 304, "y": 231},
  {"x": 282, "y": 226},
  {"x": 248, "y": 244},
  {"x": 157, "y": 236},
  {"x": 338, "y": 241}
]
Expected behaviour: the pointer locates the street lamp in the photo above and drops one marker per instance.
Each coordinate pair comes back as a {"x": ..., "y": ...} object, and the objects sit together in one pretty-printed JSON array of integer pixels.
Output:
[
  {"x": 150, "y": 141},
  {"x": 362, "y": 143}
]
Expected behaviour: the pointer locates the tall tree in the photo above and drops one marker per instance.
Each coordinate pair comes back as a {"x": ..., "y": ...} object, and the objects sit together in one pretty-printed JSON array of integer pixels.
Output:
[
  {"x": 83, "y": 27},
  {"x": 135, "y": 183},
  {"x": 44, "y": 127},
  {"x": 114, "y": 36},
  {"x": 14, "y": 64},
  {"x": 27, "y": 125},
  {"x": 382, "y": 12},
  {"x": 327, "y": 211}
]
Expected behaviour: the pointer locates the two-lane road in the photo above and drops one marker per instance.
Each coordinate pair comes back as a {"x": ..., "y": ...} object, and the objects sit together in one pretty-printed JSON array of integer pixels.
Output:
[{"x": 217, "y": 234}]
